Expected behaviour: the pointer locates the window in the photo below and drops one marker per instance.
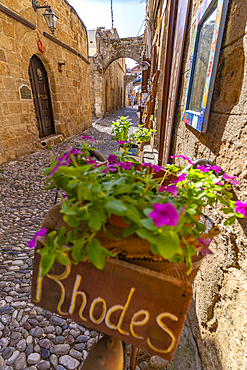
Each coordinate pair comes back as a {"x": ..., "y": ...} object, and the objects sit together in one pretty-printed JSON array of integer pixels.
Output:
[{"x": 205, "y": 54}]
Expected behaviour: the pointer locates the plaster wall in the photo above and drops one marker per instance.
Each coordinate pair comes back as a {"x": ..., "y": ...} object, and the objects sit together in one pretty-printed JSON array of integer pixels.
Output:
[
  {"x": 70, "y": 88},
  {"x": 218, "y": 314}
]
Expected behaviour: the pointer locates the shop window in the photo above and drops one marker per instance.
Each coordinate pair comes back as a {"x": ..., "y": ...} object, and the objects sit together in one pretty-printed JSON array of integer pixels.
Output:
[{"x": 204, "y": 60}]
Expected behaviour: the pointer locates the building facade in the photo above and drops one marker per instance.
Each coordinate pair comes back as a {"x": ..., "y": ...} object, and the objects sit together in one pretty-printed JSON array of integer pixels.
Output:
[
  {"x": 107, "y": 87},
  {"x": 218, "y": 314},
  {"x": 44, "y": 78}
]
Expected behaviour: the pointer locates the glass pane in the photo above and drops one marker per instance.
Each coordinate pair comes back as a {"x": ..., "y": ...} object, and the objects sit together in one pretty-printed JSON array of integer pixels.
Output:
[{"x": 201, "y": 63}]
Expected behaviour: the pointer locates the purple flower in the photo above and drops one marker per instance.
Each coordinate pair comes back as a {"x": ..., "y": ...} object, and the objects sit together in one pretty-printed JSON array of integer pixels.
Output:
[
  {"x": 231, "y": 179},
  {"x": 180, "y": 178},
  {"x": 183, "y": 157},
  {"x": 90, "y": 160},
  {"x": 219, "y": 184},
  {"x": 156, "y": 168},
  {"x": 203, "y": 246},
  {"x": 203, "y": 169},
  {"x": 126, "y": 165},
  {"x": 110, "y": 167},
  {"x": 161, "y": 188},
  {"x": 63, "y": 158},
  {"x": 146, "y": 164},
  {"x": 164, "y": 214},
  {"x": 37, "y": 236},
  {"x": 123, "y": 142},
  {"x": 88, "y": 138},
  {"x": 241, "y": 207},
  {"x": 216, "y": 169},
  {"x": 112, "y": 158},
  {"x": 172, "y": 189}
]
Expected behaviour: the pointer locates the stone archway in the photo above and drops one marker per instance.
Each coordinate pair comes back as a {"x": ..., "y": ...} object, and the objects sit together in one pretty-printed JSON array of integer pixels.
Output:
[{"x": 112, "y": 49}]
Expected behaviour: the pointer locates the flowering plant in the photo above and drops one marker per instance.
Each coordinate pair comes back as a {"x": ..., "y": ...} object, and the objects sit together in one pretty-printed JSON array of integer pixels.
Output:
[
  {"x": 121, "y": 129},
  {"x": 165, "y": 214}
]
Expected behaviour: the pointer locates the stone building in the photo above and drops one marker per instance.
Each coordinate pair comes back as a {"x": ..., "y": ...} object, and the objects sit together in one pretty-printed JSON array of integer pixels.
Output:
[
  {"x": 218, "y": 313},
  {"x": 44, "y": 78},
  {"x": 107, "y": 86}
]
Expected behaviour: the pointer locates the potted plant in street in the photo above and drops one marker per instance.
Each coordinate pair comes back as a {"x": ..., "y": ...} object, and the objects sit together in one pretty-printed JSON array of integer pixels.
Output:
[
  {"x": 132, "y": 214},
  {"x": 160, "y": 211},
  {"x": 130, "y": 144}
]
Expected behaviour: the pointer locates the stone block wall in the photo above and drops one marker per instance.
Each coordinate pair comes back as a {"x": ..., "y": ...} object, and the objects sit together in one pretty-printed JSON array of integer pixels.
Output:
[
  {"x": 70, "y": 88},
  {"x": 218, "y": 314}
]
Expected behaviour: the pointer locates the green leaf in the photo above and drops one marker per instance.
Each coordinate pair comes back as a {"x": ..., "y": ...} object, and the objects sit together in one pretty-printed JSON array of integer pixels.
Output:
[
  {"x": 227, "y": 210},
  {"x": 50, "y": 238},
  {"x": 148, "y": 224},
  {"x": 230, "y": 221},
  {"x": 123, "y": 189},
  {"x": 147, "y": 211},
  {"x": 116, "y": 206},
  {"x": 63, "y": 258},
  {"x": 144, "y": 234},
  {"x": 47, "y": 260},
  {"x": 61, "y": 236},
  {"x": 94, "y": 220},
  {"x": 107, "y": 253},
  {"x": 131, "y": 229},
  {"x": 154, "y": 248},
  {"x": 69, "y": 238},
  {"x": 133, "y": 214},
  {"x": 95, "y": 253},
  {"x": 168, "y": 244},
  {"x": 78, "y": 253},
  {"x": 71, "y": 221}
]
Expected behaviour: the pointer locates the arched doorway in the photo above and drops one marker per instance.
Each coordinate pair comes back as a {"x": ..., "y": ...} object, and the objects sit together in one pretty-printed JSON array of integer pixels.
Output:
[{"x": 42, "y": 98}]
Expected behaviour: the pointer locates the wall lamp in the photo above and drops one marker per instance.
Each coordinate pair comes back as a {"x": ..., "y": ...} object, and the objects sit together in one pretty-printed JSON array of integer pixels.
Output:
[{"x": 49, "y": 14}]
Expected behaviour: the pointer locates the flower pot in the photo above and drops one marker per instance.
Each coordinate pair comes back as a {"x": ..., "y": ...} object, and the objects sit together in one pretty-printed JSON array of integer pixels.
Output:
[{"x": 133, "y": 151}]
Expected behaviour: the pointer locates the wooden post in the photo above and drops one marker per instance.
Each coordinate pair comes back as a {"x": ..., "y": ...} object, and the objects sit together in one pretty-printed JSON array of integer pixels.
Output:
[
  {"x": 173, "y": 4},
  {"x": 181, "y": 23}
]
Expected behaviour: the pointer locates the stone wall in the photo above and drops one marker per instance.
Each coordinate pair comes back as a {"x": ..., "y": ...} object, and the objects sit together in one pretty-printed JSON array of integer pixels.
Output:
[
  {"x": 70, "y": 88},
  {"x": 218, "y": 314}
]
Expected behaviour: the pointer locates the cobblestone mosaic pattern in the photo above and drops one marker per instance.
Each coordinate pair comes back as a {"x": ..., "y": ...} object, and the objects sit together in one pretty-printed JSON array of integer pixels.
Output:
[{"x": 30, "y": 337}]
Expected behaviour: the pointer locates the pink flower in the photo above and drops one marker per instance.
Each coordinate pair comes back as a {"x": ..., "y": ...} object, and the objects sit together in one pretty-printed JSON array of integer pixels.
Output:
[
  {"x": 241, "y": 207},
  {"x": 126, "y": 165},
  {"x": 216, "y": 169},
  {"x": 203, "y": 246},
  {"x": 172, "y": 189},
  {"x": 183, "y": 157},
  {"x": 111, "y": 167},
  {"x": 164, "y": 214},
  {"x": 88, "y": 138},
  {"x": 90, "y": 160},
  {"x": 180, "y": 178},
  {"x": 123, "y": 142},
  {"x": 37, "y": 236},
  {"x": 203, "y": 169},
  {"x": 112, "y": 158},
  {"x": 231, "y": 179}
]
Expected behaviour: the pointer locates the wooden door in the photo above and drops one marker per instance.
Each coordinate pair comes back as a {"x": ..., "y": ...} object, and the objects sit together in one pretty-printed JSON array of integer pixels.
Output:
[{"x": 42, "y": 98}]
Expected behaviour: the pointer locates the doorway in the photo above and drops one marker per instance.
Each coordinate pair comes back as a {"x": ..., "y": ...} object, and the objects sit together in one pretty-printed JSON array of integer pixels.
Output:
[{"x": 42, "y": 98}]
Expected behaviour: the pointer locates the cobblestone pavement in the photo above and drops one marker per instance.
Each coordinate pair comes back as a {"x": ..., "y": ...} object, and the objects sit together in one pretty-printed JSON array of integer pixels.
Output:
[{"x": 30, "y": 337}]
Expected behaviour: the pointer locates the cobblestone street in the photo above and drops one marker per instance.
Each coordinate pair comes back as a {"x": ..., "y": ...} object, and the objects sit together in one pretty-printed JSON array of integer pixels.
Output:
[{"x": 31, "y": 338}]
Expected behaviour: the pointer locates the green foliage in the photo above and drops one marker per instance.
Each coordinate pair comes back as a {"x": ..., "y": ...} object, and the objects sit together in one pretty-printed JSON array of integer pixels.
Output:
[
  {"x": 121, "y": 128},
  {"x": 142, "y": 134},
  {"x": 95, "y": 192}
]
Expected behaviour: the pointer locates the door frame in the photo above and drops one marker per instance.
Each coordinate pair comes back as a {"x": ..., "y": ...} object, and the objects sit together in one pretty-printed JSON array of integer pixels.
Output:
[{"x": 37, "y": 102}]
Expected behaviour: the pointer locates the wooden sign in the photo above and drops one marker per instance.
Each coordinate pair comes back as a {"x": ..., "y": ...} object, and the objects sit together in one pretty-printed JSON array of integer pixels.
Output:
[
  {"x": 182, "y": 16},
  {"x": 141, "y": 307}
]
